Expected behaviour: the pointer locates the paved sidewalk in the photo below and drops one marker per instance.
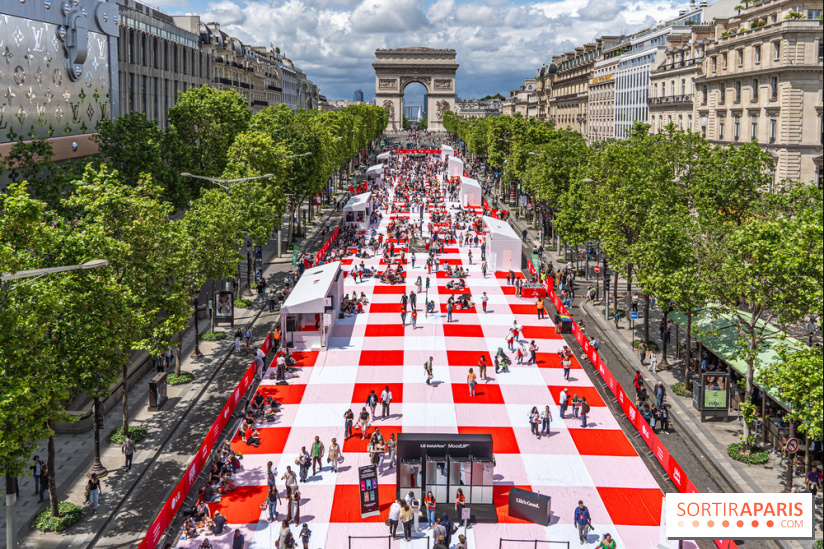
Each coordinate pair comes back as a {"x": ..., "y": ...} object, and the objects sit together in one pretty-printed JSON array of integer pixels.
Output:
[
  {"x": 711, "y": 438},
  {"x": 131, "y": 499}
]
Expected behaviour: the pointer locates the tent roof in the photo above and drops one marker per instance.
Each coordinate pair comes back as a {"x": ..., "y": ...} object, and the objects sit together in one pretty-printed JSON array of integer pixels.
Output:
[
  {"x": 455, "y": 160},
  {"x": 376, "y": 169},
  {"x": 358, "y": 202},
  {"x": 447, "y": 148},
  {"x": 309, "y": 293},
  {"x": 469, "y": 182},
  {"x": 500, "y": 229},
  {"x": 719, "y": 334},
  {"x": 383, "y": 155}
]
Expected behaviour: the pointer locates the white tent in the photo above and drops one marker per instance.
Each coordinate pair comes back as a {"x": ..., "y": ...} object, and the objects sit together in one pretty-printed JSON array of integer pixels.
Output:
[
  {"x": 310, "y": 311},
  {"x": 471, "y": 192},
  {"x": 375, "y": 173},
  {"x": 503, "y": 246},
  {"x": 446, "y": 152},
  {"x": 455, "y": 167},
  {"x": 357, "y": 210},
  {"x": 384, "y": 157}
]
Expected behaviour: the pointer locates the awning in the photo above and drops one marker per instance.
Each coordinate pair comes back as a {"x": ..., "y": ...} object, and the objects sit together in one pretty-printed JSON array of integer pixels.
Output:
[
  {"x": 384, "y": 155},
  {"x": 358, "y": 202},
  {"x": 455, "y": 167},
  {"x": 309, "y": 294},
  {"x": 500, "y": 230},
  {"x": 469, "y": 182},
  {"x": 377, "y": 169},
  {"x": 720, "y": 334}
]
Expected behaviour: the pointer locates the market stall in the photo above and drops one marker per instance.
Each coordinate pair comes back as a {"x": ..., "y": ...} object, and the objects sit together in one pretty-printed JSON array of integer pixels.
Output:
[
  {"x": 503, "y": 246},
  {"x": 375, "y": 173},
  {"x": 455, "y": 167},
  {"x": 384, "y": 157},
  {"x": 446, "y": 152},
  {"x": 471, "y": 193},
  {"x": 310, "y": 311},
  {"x": 357, "y": 210}
]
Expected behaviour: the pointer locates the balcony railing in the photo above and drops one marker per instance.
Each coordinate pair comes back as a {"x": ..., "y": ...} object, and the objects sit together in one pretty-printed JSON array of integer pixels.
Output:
[{"x": 670, "y": 100}]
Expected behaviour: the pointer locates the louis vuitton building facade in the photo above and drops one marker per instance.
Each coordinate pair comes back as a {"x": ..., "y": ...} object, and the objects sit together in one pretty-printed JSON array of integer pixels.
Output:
[{"x": 58, "y": 72}]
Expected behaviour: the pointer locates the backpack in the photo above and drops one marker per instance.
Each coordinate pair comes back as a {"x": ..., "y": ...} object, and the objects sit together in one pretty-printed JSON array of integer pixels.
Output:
[{"x": 585, "y": 408}]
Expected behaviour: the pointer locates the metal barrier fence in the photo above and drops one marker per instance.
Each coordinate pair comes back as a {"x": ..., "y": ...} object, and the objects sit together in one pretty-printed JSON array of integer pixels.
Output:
[
  {"x": 526, "y": 543},
  {"x": 356, "y": 542}
]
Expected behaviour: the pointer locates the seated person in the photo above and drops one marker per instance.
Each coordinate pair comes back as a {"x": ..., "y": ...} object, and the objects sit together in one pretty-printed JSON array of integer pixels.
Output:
[
  {"x": 364, "y": 299},
  {"x": 228, "y": 482},
  {"x": 466, "y": 301},
  {"x": 430, "y": 306},
  {"x": 202, "y": 511},
  {"x": 189, "y": 528},
  {"x": 360, "y": 308},
  {"x": 208, "y": 494},
  {"x": 252, "y": 436},
  {"x": 218, "y": 524}
]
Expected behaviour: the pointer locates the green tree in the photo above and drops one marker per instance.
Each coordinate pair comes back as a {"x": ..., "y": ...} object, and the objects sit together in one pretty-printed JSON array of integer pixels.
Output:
[{"x": 797, "y": 377}]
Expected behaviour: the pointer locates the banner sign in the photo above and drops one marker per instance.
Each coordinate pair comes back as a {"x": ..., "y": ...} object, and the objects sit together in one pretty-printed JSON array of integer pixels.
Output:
[
  {"x": 178, "y": 496},
  {"x": 669, "y": 464},
  {"x": 369, "y": 505},
  {"x": 327, "y": 245},
  {"x": 418, "y": 151},
  {"x": 529, "y": 506}
]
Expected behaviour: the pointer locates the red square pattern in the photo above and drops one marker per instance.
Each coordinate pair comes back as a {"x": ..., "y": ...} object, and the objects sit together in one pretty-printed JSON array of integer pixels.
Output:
[
  {"x": 523, "y": 309},
  {"x": 463, "y": 330},
  {"x": 356, "y": 444},
  {"x": 381, "y": 358},
  {"x": 457, "y": 311},
  {"x": 484, "y": 393},
  {"x": 602, "y": 442},
  {"x": 385, "y": 307},
  {"x": 443, "y": 290},
  {"x": 633, "y": 506},
  {"x": 272, "y": 441},
  {"x": 362, "y": 391},
  {"x": 590, "y": 393},
  {"x": 305, "y": 358},
  {"x": 539, "y": 332},
  {"x": 389, "y": 290},
  {"x": 285, "y": 394},
  {"x": 502, "y": 274},
  {"x": 241, "y": 505},
  {"x": 500, "y": 498},
  {"x": 503, "y": 438},
  {"x": 467, "y": 358},
  {"x": 346, "y": 505},
  {"x": 552, "y": 360}
]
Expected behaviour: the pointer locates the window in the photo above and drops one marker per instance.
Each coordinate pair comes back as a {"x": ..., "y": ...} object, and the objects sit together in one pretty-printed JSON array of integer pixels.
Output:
[
  {"x": 689, "y": 122},
  {"x": 737, "y": 91},
  {"x": 757, "y": 53},
  {"x": 736, "y": 130},
  {"x": 813, "y": 14},
  {"x": 740, "y": 55},
  {"x": 683, "y": 86},
  {"x": 776, "y": 50},
  {"x": 714, "y": 63},
  {"x": 820, "y": 49},
  {"x": 753, "y": 131},
  {"x": 773, "y": 128},
  {"x": 774, "y": 88},
  {"x": 722, "y": 95},
  {"x": 724, "y": 61},
  {"x": 704, "y": 94},
  {"x": 720, "y": 131}
]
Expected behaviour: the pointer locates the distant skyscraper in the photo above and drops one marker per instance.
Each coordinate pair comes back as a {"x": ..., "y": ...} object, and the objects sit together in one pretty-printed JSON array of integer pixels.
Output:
[
  {"x": 425, "y": 106},
  {"x": 358, "y": 95}
]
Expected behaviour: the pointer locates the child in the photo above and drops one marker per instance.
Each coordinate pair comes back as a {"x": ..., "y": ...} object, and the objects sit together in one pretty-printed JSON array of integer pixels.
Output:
[
  {"x": 305, "y": 534},
  {"x": 576, "y": 402}
]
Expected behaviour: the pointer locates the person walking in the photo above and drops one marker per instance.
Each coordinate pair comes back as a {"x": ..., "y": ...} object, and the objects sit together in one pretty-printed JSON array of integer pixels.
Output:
[
  {"x": 533, "y": 349},
  {"x": 449, "y": 310},
  {"x": 535, "y": 421},
  {"x": 482, "y": 364},
  {"x": 348, "y": 418},
  {"x": 385, "y": 400},
  {"x": 305, "y": 533},
  {"x": 564, "y": 401},
  {"x": 317, "y": 454},
  {"x": 304, "y": 462},
  {"x": 470, "y": 380},
  {"x": 291, "y": 481},
  {"x": 427, "y": 367},
  {"x": 653, "y": 362},
  {"x": 372, "y": 402},
  {"x": 247, "y": 338},
  {"x": 429, "y": 502},
  {"x": 363, "y": 422},
  {"x": 583, "y": 521},
  {"x": 238, "y": 339},
  {"x": 660, "y": 394},
  {"x": 43, "y": 482},
  {"x": 566, "y": 363},
  {"x": 37, "y": 470},
  {"x": 484, "y": 299},
  {"x": 584, "y": 411},
  {"x": 394, "y": 517},
  {"x": 94, "y": 489},
  {"x": 128, "y": 448},
  {"x": 272, "y": 500},
  {"x": 414, "y": 316},
  {"x": 546, "y": 419},
  {"x": 539, "y": 304},
  {"x": 406, "y": 518},
  {"x": 484, "y": 268},
  {"x": 510, "y": 340},
  {"x": 460, "y": 503},
  {"x": 403, "y": 315},
  {"x": 335, "y": 455},
  {"x": 294, "y": 507},
  {"x": 642, "y": 352}
]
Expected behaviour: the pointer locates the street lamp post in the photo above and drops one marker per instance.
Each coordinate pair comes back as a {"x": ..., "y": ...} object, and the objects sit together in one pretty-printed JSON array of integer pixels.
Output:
[
  {"x": 12, "y": 488},
  {"x": 248, "y": 268}
]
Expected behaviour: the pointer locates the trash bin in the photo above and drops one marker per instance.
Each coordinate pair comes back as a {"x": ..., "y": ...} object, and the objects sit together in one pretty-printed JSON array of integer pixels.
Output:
[
  {"x": 157, "y": 392},
  {"x": 566, "y": 324}
]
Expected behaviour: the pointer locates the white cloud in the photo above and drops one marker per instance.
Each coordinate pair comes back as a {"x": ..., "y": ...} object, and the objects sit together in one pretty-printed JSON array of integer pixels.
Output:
[{"x": 499, "y": 42}]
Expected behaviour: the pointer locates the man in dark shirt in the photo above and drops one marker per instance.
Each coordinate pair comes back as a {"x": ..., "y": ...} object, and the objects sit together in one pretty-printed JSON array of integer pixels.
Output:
[
  {"x": 218, "y": 523},
  {"x": 238, "y": 540}
]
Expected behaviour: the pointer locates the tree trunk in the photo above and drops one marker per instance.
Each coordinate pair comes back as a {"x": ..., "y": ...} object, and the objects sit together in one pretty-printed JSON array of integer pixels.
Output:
[
  {"x": 126, "y": 398},
  {"x": 629, "y": 288},
  {"x": 53, "y": 502},
  {"x": 291, "y": 222},
  {"x": 688, "y": 368},
  {"x": 615, "y": 293},
  {"x": 197, "y": 332},
  {"x": 214, "y": 301},
  {"x": 646, "y": 318}
]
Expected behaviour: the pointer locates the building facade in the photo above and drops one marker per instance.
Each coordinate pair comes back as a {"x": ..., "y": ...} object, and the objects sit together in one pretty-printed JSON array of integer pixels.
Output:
[
  {"x": 522, "y": 101},
  {"x": 358, "y": 98},
  {"x": 479, "y": 109},
  {"x": 762, "y": 81},
  {"x": 157, "y": 60},
  {"x": 601, "y": 96}
]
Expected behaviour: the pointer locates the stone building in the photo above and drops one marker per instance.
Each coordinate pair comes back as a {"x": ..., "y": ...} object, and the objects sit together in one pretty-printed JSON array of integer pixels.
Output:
[
  {"x": 762, "y": 82},
  {"x": 157, "y": 60},
  {"x": 601, "y": 96},
  {"x": 481, "y": 108},
  {"x": 522, "y": 101}
]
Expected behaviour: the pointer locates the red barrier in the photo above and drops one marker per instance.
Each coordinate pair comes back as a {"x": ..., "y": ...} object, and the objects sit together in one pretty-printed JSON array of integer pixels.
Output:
[
  {"x": 178, "y": 496},
  {"x": 676, "y": 473},
  {"x": 327, "y": 245},
  {"x": 418, "y": 151}
]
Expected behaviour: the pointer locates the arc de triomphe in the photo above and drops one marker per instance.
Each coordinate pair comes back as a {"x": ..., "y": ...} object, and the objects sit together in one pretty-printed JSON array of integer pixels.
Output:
[{"x": 396, "y": 69}]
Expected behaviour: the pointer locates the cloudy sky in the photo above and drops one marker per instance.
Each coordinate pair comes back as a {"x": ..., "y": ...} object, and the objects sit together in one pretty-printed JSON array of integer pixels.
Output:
[{"x": 498, "y": 42}]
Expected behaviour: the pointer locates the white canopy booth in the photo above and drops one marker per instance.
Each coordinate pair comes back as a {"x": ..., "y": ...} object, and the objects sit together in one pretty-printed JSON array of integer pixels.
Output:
[
  {"x": 310, "y": 311},
  {"x": 455, "y": 167},
  {"x": 503, "y": 246},
  {"x": 357, "y": 210},
  {"x": 471, "y": 192},
  {"x": 384, "y": 157},
  {"x": 375, "y": 173},
  {"x": 446, "y": 152}
]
